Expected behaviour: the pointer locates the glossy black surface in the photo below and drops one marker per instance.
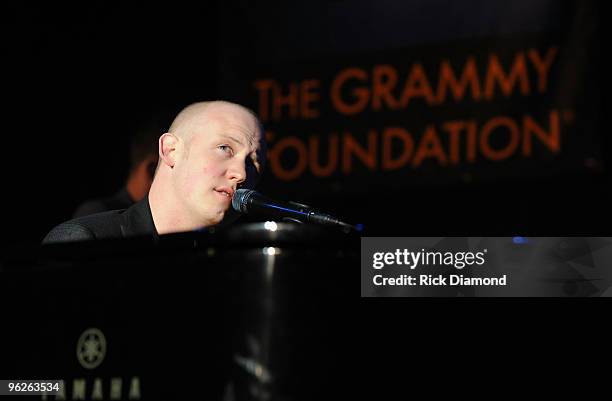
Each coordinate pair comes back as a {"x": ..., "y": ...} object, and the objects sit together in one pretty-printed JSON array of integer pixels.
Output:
[{"x": 249, "y": 313}]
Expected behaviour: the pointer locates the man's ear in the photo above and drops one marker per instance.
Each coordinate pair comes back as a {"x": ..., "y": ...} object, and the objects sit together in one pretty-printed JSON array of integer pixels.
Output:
[{"x": 168, "y": 149}]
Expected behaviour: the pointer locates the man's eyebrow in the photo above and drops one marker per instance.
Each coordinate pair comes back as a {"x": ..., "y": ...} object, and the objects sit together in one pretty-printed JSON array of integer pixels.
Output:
[{"x": 233, "y": 139}]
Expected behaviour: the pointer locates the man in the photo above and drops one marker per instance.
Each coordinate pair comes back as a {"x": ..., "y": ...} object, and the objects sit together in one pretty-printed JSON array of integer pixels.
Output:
[
  {"x": 143, "y": 161},
  {"x": 210, "y": 150}
]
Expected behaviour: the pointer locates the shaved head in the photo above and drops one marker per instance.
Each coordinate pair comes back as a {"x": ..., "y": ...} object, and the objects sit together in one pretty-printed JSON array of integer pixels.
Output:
[
  {"x": 195, "y": 118},
  {"x": 197, "y": 115}
]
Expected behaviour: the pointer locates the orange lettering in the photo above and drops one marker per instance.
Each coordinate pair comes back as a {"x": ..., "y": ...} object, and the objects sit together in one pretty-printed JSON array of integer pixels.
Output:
[
  {"x": 471, "y": 141},
  {"x": 309, "y": 96},
  {"x": 551, "y": 139},
  {"x": 430, "y": 146},
  {"x": 488, "y": 129},
  {"x": 351, "y": 146},
  {"x": 291, "y": 100},
  {"x": 495, "y": 73},
  {"x": 454, "y": 128},
  {"x": 417, "y": 85},
  {"x": 390, "y": 133},
  {"x": 448, "y": 81},
  {"x": 384, "y": 79},
  {"x": 542, "y": 66},
  {"x": 275, "y": 158},
  {"x": 264, "y": 86},
  {"x": 362, "y": 94}
]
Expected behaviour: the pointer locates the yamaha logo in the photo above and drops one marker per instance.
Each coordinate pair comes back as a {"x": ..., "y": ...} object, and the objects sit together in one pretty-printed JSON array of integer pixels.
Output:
[{"x": 91, "y": 348}]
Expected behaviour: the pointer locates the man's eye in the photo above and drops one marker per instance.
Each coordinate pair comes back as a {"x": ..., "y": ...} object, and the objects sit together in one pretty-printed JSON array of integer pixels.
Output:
[{"x": 227, "y": 149}]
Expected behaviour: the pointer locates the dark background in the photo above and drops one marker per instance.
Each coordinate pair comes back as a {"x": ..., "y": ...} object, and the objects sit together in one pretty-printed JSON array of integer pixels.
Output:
[{"x": 77, "y": 80}]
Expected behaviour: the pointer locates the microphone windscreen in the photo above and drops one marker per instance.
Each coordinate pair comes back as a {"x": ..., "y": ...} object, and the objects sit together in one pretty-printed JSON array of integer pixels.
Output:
[{"x": 238, "y": 199}]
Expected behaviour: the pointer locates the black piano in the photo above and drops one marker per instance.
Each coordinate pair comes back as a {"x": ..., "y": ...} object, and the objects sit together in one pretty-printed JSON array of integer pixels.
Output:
[{"x": 259, "y": 311}]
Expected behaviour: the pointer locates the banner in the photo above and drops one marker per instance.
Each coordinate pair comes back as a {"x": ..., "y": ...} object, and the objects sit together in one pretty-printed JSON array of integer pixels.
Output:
[{"x": 505, "y": 94}]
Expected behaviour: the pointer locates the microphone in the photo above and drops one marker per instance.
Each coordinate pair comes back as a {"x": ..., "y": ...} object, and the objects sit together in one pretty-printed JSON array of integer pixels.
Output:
[{"x": 249, "y": 201}]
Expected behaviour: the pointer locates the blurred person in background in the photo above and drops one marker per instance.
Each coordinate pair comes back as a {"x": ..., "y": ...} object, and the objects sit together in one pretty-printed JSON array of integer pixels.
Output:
[{"x": 143, "y": 161}]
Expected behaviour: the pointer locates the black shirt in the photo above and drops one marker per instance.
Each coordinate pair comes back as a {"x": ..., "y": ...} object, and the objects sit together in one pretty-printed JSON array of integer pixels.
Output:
[{"x": 131, "y": 222}]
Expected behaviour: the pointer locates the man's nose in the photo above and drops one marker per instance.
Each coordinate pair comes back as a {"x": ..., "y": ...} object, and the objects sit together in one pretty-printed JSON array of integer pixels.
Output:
[{"x": 237, "y": 172}]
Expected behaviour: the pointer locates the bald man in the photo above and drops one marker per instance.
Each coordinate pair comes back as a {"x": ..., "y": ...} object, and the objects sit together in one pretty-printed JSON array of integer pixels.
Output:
[{"x": 210, "y": 150}]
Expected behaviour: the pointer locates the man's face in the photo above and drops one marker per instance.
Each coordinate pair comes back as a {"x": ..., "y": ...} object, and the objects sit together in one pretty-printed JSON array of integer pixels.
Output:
[{"x": 221, "y": 154}]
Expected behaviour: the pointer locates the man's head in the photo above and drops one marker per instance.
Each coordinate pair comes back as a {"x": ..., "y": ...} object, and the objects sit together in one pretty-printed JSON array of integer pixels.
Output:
[{"x": 210, "y": 150}]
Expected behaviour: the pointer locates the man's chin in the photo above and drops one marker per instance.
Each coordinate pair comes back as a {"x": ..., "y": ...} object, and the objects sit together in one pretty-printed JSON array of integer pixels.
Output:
[
  {"x": 218, "y": 218},
  {"x": 228, "y": 217}
]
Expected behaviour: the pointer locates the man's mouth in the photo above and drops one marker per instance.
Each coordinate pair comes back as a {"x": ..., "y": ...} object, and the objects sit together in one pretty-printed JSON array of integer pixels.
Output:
[{"x": 226, "y": 192}]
